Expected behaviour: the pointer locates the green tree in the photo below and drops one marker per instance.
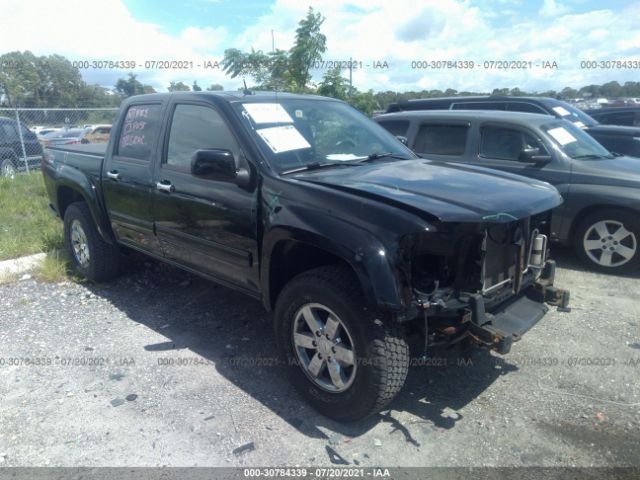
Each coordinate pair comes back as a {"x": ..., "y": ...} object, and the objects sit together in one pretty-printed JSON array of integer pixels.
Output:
[
  {"x": 215, "y": 87},
  {"x": 195, "y": 87},
  {"x": 130, "y": 86},
  {"x": 178, "y": 87},
  {"x": 281, "y": 69},
  {"x": 308, "y": 47},
  {"x": 364, "y": 101},
  {"x": 334, "y": 85}
]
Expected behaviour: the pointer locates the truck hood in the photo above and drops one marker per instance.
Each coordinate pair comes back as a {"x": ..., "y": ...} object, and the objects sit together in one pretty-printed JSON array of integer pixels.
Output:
[
  {"x": 449, "y": 192},
  {"x": 615, "y": 130}
]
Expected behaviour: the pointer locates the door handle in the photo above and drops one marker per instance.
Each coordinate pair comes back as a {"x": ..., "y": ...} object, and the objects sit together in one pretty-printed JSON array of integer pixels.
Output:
[
  {"x": 113, "y": 175},
  {"x": 164, "y": 186}
]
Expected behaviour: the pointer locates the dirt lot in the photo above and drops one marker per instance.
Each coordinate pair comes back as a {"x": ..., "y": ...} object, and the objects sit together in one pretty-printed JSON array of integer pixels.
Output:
[{"x": 162, "y": 368}]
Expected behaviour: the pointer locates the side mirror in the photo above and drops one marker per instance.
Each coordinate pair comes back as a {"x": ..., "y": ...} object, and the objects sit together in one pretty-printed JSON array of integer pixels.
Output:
[
  {"x": 402, "y": 139},
  {"x": 213, "y": 162},
  {"x": 532, "y": 155}
]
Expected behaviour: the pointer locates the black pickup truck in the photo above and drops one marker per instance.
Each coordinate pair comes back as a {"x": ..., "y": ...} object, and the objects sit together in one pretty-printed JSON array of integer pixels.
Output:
[{"x": 304, "y": 203}]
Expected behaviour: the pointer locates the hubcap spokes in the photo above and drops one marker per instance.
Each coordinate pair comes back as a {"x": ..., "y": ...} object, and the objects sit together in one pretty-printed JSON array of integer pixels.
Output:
[
  {"x": 324, "y": 348},
  {"x": 609, "y": 244},
  {"x": 79, "y": 244}
]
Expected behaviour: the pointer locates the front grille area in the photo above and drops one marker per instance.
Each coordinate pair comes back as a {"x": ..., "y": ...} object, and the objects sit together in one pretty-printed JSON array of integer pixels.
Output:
[{"x": 502, "y": 245}]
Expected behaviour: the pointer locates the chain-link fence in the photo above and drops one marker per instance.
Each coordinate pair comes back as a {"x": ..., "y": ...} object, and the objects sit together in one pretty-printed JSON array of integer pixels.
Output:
[{"x": 24, "y": 132}]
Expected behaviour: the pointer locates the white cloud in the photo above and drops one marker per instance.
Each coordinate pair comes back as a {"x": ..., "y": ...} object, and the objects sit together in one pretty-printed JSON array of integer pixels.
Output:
[
  {"x": 397, "y": 32},
  {"x": 550, "y": 8}
]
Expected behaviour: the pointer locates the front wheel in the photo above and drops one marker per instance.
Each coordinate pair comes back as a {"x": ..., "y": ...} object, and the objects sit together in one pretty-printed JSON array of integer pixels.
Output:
[
  {"x": 607, "y": 240},
  {"x": 91, "y": 256},
  {"x": 346, "y": 361}
]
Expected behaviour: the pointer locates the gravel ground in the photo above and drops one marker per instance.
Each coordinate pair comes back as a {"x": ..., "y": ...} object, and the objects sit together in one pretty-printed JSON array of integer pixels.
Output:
[{"x": 113, "y": 392}]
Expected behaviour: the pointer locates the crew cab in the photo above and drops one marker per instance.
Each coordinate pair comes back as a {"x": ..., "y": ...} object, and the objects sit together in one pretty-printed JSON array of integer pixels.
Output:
[
  {"x": 601, "y": 190},
  {"x": 302, "y": 202},
  {"x": 616, "y": 138}
]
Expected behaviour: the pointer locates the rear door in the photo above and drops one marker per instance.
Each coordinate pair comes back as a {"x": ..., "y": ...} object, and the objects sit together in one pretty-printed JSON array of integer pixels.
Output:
[
  {"x": 441, "y": 139},
  {"x": 207, "y": 224},
  {"x": 127, "y": 177}
]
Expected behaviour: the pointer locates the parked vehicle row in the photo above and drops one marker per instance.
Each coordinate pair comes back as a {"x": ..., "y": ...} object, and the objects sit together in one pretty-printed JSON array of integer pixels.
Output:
[
  {"x": 616, "y": 138},
  {"x": 601, "y": 190},
  {"x": 346, "y": 235}
]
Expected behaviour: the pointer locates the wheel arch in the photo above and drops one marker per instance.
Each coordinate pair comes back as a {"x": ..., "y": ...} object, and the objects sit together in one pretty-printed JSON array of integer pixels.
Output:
[
  {"x": 289, "y": 252},
  {"x": 71, "y": 190}
]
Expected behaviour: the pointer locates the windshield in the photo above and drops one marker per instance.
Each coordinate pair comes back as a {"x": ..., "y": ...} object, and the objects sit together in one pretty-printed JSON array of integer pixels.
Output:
[
  {"x": 574, "y": 141},
  {"x": 297, "y": 133},
  {"x": 572, "y": 114}
]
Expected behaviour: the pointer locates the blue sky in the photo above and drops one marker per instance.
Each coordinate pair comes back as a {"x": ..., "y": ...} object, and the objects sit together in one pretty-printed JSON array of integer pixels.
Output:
[
  {"x": 176, "y": 16},
  {"x": 396, "y": 32}
]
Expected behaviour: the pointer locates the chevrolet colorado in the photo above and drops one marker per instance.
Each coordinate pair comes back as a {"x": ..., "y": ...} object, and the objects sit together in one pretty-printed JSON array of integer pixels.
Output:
[{"x": 307, "y": 205}]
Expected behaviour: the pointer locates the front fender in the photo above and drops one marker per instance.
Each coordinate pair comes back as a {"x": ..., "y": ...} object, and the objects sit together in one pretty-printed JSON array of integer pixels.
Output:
[{"x": 369, "y": 258}]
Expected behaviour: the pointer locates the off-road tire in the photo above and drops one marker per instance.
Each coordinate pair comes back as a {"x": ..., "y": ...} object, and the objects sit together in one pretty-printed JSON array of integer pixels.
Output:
[
  {"x": 382, "y": 353},
  {"x": 104, "y": 258}
]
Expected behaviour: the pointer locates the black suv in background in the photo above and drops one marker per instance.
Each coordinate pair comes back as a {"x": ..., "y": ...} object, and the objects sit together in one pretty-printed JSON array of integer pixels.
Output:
[
  {"x": 11, "y": 153},
  {"x": 601, "y": 191},
  {"x": 615, "y": 138},
  {"x": 629, "y": 116}
]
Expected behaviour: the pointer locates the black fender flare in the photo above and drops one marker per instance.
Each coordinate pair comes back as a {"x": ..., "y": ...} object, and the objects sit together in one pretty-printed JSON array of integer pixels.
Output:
[
  {"x": 84, "y": 186},
  {"x": 366, "y": 255}
]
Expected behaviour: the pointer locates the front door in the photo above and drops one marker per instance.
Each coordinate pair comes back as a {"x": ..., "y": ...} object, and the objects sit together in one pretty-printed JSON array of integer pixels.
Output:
[{"x": 207, "y": 224}]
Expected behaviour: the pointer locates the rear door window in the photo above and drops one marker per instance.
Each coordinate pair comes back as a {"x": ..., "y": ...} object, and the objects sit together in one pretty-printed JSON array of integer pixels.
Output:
[
  {"x": 479, "y": 106},
  {"x": 396, "y": 127},
  {"x": 506, "y": 143},
  {"x": 525, "y": 107},
  {"x": 441, "y": 139},
  {"x": 139, "y": 131}
]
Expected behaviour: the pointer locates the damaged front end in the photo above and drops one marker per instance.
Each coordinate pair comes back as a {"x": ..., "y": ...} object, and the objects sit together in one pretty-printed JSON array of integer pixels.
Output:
[{"x": 486, "y": 282}]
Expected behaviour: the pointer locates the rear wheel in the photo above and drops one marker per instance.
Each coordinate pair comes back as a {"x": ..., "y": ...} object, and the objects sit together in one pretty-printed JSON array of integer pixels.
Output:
[
  {"x": 607, "y": 240},
  {"x": 91, "y": 256},
  {"x": 346, "y": 361},
  {"x": 7, "y": 168}
]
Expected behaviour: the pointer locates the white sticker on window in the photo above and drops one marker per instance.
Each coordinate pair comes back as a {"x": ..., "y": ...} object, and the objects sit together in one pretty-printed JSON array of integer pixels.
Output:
[
  {"x": 283, "y": 139},
  {"x": 267, "y": 113},
  {"x": 342, "y": 157},
  {"x": 563, "y": 112},
  {"x": 561, "y": 135}
]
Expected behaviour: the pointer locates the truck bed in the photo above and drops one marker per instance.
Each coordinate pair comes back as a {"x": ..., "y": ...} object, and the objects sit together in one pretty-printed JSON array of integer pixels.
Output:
[
  {"x": 87, "y": 158},
  {"x": 93, "y": 149}
]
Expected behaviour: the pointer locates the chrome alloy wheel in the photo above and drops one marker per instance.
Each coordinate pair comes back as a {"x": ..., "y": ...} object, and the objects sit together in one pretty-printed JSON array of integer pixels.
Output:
[
  {"x": 79, "y": 244},
  {"x": 324, "y": 348},
  {"x": 609, "y": 244}
]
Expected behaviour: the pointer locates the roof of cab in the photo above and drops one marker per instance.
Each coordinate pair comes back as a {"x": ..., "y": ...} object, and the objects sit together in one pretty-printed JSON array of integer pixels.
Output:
[
  {"x": 520, "y": 118},
  {"x": 231, "y": 96}
]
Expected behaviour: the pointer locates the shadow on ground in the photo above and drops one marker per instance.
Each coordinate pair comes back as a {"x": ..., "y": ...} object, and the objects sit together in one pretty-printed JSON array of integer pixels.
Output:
[{"x": 206, "y": 319}]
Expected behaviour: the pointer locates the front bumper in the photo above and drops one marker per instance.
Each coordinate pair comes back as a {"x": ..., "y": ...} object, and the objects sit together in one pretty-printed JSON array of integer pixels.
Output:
[
  {"x": 500, "y": 326},
  {"x": 498, "y": 320}
]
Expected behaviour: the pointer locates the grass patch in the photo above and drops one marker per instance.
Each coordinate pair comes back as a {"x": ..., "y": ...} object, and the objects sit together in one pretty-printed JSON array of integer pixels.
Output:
[
  {"x": 8, "y": 278},
  {"x": 54, "y": 268},
  {"x": 26, "y": 224}
]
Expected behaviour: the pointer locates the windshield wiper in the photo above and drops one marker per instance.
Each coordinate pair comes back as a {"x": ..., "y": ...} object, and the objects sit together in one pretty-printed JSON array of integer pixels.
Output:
[
  {"x": 315, "y": 166},
  {"x": 589, "y": 155},
  {"x": 376, "y": 156}
]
